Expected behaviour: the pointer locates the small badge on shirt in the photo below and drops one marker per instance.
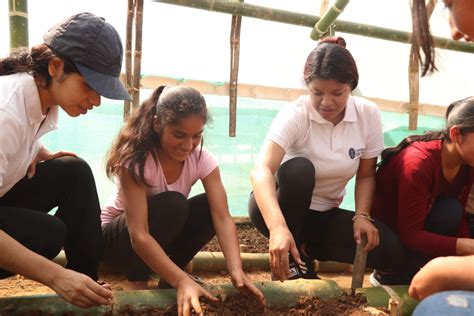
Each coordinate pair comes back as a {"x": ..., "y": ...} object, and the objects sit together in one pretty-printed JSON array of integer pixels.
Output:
[{"x": 355, "y": 153}]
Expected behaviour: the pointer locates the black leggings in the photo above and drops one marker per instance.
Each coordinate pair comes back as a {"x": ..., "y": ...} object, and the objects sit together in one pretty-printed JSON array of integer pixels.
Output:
[
  {"x": 66, "y": 183},
  {"x": 181, "y": 227},
  {"x": 327, "y": 235}
]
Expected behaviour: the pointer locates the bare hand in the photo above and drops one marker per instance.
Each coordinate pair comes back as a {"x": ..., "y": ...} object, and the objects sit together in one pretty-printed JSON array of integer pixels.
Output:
[
  {"x": 188, "y": 293},
  {"x": 80, "y": 290},
  {"x": 365, "y": 226},
  {"x": 242, "y": 283},
  {"x": 281, "y": 243},
  {"x": 45, "y": 155}
]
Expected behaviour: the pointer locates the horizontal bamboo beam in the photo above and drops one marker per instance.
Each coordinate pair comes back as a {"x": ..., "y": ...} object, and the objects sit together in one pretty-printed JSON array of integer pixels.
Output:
[
  {"x": 281, "y": 94},
  {"x": 282, "y": 16}
]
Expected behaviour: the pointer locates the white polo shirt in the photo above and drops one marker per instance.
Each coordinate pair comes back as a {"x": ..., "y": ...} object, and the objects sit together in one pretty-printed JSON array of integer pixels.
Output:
[
  {"x": 335, "y": 151},
  {"x": 22, "y": 124}
]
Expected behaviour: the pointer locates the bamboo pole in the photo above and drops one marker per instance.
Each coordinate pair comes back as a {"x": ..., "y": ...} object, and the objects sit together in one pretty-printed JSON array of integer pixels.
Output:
[
  {"x": 146, "y": 302},
  {"x": 414, "y": 81},
  {"x": 128, "y": 57},
  {"x": 322, "y": 9},
  {"x": 282, "y": 16},
  {"x": 323, "y": 25},
  {"x": 137, "y": 62},
  {"x": 234, "y": 71},
  {"x": 18, "y": 21}
]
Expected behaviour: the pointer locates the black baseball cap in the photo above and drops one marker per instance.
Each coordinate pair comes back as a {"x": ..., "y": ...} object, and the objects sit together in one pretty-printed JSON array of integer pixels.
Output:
[{"x": 95, "y": 48}]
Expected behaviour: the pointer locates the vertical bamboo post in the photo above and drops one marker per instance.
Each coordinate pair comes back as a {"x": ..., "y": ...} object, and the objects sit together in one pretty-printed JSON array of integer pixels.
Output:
[
  {"x": 128, "y": 57},
  {"x": 322, "y": 10},
  {"x": 414, "y": 89},
  {"x": 137, "y": 61},
  {"x": 18, "y": 21},
  {"x": 414, "y": 80},
  {"x": 234, "y": 71},
  {"x": 323, "y": 25}
]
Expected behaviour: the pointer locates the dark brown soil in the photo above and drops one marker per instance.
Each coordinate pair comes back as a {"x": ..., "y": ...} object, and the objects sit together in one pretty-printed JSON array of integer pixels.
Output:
[
  {"x": 243, "y": 305},
  {"x": 251, "y": 240}
]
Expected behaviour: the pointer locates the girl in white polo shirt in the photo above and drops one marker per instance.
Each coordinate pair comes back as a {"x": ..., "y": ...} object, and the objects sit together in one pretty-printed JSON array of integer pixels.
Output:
[
  {"x": 149, "y": 223},
  {"x": 79, "y": 61},
  {"x": 314, "y": 147}
]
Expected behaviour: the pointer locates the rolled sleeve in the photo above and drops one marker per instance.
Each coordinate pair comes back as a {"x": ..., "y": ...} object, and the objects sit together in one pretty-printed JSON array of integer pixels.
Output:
[
  {"x": 9, "y": 142},
  {"x": 375, "y": 143}
]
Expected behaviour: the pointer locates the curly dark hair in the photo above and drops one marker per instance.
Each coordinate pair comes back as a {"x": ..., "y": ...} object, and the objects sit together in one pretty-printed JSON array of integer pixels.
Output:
[{"x": 35, "y": 62}]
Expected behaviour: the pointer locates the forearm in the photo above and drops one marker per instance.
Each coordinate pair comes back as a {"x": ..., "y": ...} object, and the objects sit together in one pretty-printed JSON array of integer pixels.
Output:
[
  {"x": 443, "y": 274},
  {"x": 465, "y": 246},
  {"x": 18, "y": 259},
  {"x": 227, "y": 236},
  {"x": 364, "y": 194},
  {"x": 264, "y": 191},
  {"x": 149, "y": 250}
]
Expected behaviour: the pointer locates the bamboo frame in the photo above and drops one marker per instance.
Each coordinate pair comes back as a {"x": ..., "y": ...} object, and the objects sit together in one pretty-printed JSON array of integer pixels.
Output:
[
  {"x": 18, "y": 22},
  {"x": 322, "y": 9},
  {"x": 137, "y": 61},
  {"x": 281, "y": 94},
  {"x": 133, "y": 69},
  {"x": 128, "y": 57},
  {"x": 234, "y": 72},
  {"x": 282, "y": 16},
  {"x": 324, "y": 24},
  {"x": 414, "y": 80}
]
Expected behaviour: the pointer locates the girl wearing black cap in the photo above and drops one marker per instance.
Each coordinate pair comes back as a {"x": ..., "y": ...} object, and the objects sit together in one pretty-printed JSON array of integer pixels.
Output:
[{"x": 60, "y": 73}]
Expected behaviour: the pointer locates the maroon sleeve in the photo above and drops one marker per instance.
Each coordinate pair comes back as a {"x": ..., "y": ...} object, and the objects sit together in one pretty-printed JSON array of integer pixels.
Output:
[{"x": 415, "y": 189}]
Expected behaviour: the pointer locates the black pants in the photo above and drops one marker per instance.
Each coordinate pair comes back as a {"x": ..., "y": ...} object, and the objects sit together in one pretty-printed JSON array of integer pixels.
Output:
[
  {"x": 66, "y": 183},
  {"x": 444, "y": 219},
  {"x": 181, "y": 227},
  {"x": 470, "y": 221},
  {"x": 327, "y": 235}
]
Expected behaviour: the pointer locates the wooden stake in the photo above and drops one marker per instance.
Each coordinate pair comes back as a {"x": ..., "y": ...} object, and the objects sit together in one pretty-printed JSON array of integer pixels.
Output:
[{"x": 360, "y": 260}]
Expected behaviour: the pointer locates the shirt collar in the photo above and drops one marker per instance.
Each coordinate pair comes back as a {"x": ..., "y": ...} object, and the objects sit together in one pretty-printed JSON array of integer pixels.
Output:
[
  {"x": 32, "y": 99},
  {"x": 350, "y": 114},
  {"x": 33, "y": 104}
]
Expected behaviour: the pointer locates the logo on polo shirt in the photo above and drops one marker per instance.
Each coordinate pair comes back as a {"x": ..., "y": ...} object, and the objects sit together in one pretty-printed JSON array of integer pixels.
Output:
[{"x": 355, "y": 153}]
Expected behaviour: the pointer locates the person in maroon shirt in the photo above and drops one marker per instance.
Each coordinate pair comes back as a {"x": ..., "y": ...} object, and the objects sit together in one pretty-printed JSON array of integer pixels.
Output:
[{"x": 422, "y": 186}]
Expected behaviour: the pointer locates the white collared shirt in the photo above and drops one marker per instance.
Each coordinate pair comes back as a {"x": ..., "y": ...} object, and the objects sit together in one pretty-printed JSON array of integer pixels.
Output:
[
  {"x": 21, "y": 125},
  {"x": 335, "y": 151}
]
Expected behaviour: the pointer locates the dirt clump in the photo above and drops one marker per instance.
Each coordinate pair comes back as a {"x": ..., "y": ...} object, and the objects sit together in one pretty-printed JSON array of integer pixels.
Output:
[
  {"x": 250, "y": 239},
  {"x": 241, "y": 305},
  {"x": 345, "y": 304}
]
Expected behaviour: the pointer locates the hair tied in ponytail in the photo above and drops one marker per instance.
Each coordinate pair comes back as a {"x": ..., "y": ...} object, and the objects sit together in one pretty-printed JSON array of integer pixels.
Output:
[
  {"x": 157, "y": 93},
  {"x": 333, "y": 40}
]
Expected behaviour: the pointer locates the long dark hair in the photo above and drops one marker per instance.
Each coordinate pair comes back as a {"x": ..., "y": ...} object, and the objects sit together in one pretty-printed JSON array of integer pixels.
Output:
[
  {"x": 35, "y": 63},
  {"x": 459, "y": 113},
  {"x": 137, "y": 138},
  {"x": 421, "y": 38},
  {"x": 331, "y": 60}
]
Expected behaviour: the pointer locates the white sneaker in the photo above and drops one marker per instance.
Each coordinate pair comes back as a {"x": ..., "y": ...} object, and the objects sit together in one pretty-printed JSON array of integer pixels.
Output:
[{"x": 373, "y": 280}]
